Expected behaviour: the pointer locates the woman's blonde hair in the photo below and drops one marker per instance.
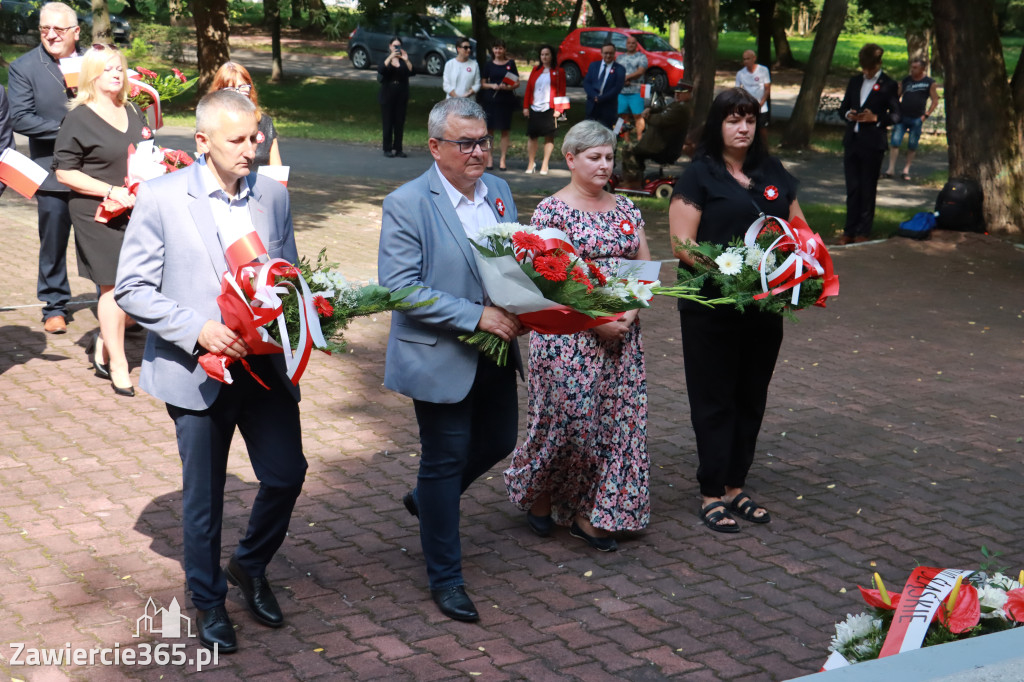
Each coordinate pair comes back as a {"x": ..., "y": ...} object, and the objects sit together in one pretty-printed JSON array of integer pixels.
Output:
[
  {"x": 93, "y": 63},
  {"x": 230, "y": 73}
]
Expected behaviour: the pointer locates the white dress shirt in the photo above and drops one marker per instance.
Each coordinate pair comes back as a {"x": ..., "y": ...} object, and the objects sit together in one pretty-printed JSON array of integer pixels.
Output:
[
  {"x": 473, "y": 215},
  {"x": 230, "y": 213}
]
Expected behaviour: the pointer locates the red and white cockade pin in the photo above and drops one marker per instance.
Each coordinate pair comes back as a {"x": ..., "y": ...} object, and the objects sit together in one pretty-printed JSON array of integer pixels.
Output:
[
  {"x": 500, "y": 205},
  {"x": 626, "y": 227},
  {"x": 875, "y": 87},
  {"x": 771, "y": 192},
  {"x": 260, "y": 137},
  {"x": 468, "y": 69},
  {"x": 146, "y": 133}
]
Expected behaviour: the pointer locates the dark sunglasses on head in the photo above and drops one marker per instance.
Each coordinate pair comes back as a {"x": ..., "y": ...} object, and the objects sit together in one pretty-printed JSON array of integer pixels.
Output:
[
  {"x": 464, "y": 47},
  {"x": 100, "y": 47}
]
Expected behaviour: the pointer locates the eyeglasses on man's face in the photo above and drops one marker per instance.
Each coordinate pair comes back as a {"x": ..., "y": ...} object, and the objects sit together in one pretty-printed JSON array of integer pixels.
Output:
[
  {"x": 59, "y": 30},
  {"x": 467, "y": 146},
  {"x": 243, "y": 89}
]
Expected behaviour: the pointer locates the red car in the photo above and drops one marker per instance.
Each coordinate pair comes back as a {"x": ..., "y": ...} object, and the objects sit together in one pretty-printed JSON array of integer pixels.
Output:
[{"x": 583, "y": 47}]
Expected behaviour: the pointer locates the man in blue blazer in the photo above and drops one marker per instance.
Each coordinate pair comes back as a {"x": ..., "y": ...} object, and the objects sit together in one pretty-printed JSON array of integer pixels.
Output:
[
  {"x": 466, "y": 406},
  {"x": 603, "y": 83},
  {"x": 168, "y": 278},
  {"x": 38, "y": 101},
  {"x": 870, "y": 105}
]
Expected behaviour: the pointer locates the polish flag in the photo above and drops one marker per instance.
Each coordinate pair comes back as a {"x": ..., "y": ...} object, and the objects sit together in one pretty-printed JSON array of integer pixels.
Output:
[
  {"x": 646, "y": 91},
  {"x": 71, "y": 67},
  {"x": 510, "y": 79},
  {"x": 279, "y": 173},
  {"x": 21, "y": 173}
]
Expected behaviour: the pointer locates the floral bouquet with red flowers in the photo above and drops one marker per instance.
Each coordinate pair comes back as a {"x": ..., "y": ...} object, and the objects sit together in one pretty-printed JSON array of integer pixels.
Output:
[
  {"x": 778, "y": 266},
  {"x": 536, "y": 274},
  {"x": 148, "y": 89},
  {"x": 935, "y": 607},
  {"x": 145, "y": 162},
  {"x": 280, "y": 308}
]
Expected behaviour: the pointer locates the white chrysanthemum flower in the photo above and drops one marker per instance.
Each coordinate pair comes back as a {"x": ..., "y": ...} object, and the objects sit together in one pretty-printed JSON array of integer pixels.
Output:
[
  {"x": 503, "y": 231},
  {"x": 770, "y": 262},
  {"x": 854, "y": 628},
  {"x": 614, "y": 288},
  {"x": 321, "y": 278},
  {"x": 991, "y": 597},
  {"x": 729, "y": 263},
  {"x": 337, "y": 279},
  {"x": 1004, "y": 581},
  {"x": 754, "y": 256}
]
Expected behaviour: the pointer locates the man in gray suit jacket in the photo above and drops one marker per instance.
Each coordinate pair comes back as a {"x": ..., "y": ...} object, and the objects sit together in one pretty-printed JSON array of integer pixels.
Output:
[
  {"x": 38, "y": 101},
  {"x": 168, "y": 278},
  {"x": 466, "y": 406}
]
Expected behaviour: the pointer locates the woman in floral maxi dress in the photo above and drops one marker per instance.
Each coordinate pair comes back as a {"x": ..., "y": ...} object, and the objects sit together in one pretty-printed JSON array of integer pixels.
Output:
[{"x": 584, "y": 462}]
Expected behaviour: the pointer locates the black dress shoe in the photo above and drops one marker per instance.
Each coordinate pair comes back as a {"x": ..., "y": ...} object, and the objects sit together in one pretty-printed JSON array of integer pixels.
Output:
[
  {"x": 400, "y": 155},
  {"x": 101, "y": 370},
  {"x": 123, "y": 392},
  {"x": 605, "y": 544},
  {"x": 410, "y": 504},
  {"x": 455, "y": 603},
  {"x": 258, "y": 595},
  {"x": 541, "y": 525},
  {"x": 390, "y": 154},
  {"x": 215, "y": 628}
]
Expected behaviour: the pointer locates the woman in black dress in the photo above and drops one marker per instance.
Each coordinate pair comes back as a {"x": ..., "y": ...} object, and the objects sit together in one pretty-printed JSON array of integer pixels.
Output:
[
  {"x": 234, "y": 76},
  {"x": 499, "y": 98},
  {"x": 91, "y": 157},
  {"x": 728, "y": 356},
  {"x": 393, "y": 74}
]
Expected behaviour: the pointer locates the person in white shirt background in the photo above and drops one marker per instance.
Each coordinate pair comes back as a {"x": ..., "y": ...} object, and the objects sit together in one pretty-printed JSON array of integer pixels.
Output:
[
  {"x": 757, "y": 80},
  {"x": 461, "y": 74}
]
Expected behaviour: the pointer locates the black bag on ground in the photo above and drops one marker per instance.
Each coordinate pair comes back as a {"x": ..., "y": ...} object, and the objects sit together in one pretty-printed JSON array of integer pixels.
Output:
[{"x": 958, "y": 206}]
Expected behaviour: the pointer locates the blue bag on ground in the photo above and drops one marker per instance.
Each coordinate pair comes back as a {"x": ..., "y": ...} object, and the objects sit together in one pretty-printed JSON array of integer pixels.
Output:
[{"x": 918, "y": 227}]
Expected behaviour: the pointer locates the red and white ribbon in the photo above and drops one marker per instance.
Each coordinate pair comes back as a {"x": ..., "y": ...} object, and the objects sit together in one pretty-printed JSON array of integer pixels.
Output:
[
  {"x": 922, "y": 596},
  {"x": 807, "y": 258}
]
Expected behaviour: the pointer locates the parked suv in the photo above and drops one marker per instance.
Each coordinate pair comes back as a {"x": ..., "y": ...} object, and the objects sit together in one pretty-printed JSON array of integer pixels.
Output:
[
  {"x": 582, "y": 47},
  {"x": 429, "y": 41}
]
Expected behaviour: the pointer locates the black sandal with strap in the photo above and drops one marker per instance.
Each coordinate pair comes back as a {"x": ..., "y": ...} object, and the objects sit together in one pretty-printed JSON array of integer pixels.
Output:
[
  {"x": 716, "y": 512},
  {"x": 745, "y": 506}
]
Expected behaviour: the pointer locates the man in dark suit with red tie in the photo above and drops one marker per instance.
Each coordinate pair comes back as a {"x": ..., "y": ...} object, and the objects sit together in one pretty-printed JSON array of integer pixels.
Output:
[
  {"x": 603, "y": 83},
  {"x": 870, "y": 105}
]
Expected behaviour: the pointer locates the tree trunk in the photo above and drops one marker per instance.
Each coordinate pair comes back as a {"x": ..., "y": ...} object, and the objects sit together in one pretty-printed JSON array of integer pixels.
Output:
[
  {"x": 618, "y": 13},
  {"x": 574, "y": 24},
  {"x": 177, "y": 9},
  {"x": 783, "y": 53},
  {"x": 801, "y": 121},
  {"x": 599, "y": 17},
  {"x": 765, "y": 29},
  {"x": 481, "y": 31},
  {"x": 272, "y": 17},
  {"x": 211, "y": 38},
  {"x": 673, "y": 35},
  {"x": 101, "y": 22},
  {"x": 701, "y": 41},
  {"x": 917, "y": 45},
  {"x": 976, "y": 91}
]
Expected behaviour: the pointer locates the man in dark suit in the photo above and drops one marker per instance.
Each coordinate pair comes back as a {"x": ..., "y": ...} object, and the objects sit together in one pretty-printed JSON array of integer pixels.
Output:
[
  {"x": 603, "y": 83},
  {"x": 168, "y": 278},
  {"x": 6, "y": 134},
  {"x": 39, "y": 100},
  {"x": 870, "y": 105},
  {"x": 465, "y": 404}
]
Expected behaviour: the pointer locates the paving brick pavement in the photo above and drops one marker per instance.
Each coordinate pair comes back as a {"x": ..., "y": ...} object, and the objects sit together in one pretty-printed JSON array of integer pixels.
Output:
[{"x": 892, "y": 439}]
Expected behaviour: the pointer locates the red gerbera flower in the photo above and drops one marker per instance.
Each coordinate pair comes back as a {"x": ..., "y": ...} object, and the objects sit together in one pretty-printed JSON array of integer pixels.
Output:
[
  {"x": 527, "y": 242},
  {"x": 135, "y": 90},
  {"x": 323, "y": 306},
  {"x": 180, "y": 75},
  {"x": 596, "y": 272},
  {"x": 550, "y": 268},
  {"x": 579, "y": 276}
]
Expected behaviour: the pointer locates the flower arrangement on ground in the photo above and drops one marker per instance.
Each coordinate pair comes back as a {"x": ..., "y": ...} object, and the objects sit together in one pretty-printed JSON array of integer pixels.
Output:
[
  {"x": 778, "y": 266},
  {"x": 280, "y": 308},
  {"x": 536, "y": 274},
  {"x": 935, "y": 607}
]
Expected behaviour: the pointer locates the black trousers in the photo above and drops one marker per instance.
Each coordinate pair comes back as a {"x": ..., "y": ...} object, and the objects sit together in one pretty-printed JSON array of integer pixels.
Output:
[
  {"x": 861, "y": 165},
  {"x": 460, "y": 441},
  {"x": 52, "y": 287},
  {"x": 394, "y": 100},
  {"x": 269, "y": 423},
  {"x": 729, "y": 358}
]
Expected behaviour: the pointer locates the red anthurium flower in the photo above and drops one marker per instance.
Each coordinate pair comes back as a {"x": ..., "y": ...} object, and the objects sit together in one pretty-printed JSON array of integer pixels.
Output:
[
  {"x": 289, "y": 271},
  {"x": 134, "y": 91},
  {"x": 550, "y": 268},
  {"x": 180, "y": 76},
  {"x": 146, "y": 72},
  {"x": 323, "y": 306},
  {"x": 874, "y": 598},
  {"x": 1014, "y": 606},
  {"x": 966, "y": 610}
]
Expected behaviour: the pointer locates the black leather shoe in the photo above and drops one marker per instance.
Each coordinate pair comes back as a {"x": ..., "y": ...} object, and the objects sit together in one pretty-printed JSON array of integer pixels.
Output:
[
  {"x": 455, "y": 603},
  {"x": 258, "y": 595},
  {"x": 541, "y": 525},
  {"x": 410, "y": 504},
  {"x": 215, "y": 628},
  {"x": 390, "y": 154},
  {"x": 400, "y": 155}
]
